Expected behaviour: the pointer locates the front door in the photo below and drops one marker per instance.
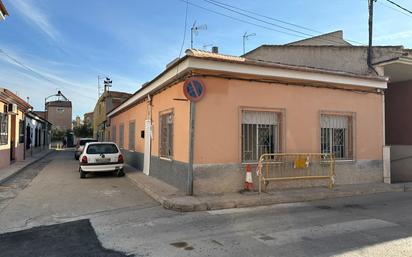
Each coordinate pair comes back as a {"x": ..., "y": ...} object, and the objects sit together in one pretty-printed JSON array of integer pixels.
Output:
[{"x": 147, "y": 146}]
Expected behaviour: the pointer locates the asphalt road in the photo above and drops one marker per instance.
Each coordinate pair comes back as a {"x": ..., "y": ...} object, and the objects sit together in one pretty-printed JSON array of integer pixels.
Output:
[{"x": 110, "y": 217}]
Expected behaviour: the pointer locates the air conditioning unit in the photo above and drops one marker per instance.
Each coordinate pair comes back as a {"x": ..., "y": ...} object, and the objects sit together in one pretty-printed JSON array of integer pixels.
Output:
[{"x": 12, "y": 109}]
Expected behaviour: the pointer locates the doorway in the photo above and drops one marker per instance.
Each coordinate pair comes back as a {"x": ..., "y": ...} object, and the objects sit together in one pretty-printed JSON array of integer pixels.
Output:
[{"x": 13, "y": 138}]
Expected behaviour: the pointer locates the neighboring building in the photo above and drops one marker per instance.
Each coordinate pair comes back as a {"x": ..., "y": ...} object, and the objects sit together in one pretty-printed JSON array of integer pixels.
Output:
[
  {"x": 78, "y": 121},
  {"x": 3, "y": 11},
  {"x": 59, "y": 113},
  {"x": 12, "y": 127},
  {"x": 250, "y": 107},
  {"x": 88, "y": 118},
  {"x": 107, "y": 102},
  {"x": 332, "y": 52},
  {"x": 38, "y": 133}
]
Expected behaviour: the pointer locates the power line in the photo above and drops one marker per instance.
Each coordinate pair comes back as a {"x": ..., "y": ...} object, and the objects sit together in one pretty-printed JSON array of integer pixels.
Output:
[
  {"x": 184, "y": 32},
  {"x": 240, "y": 20},
  {"x": 44, "y": 77},
  {"x": 399, "y": 6},
  {"x": 228, "y": 7},
  {"x": 394, "y": 9}
]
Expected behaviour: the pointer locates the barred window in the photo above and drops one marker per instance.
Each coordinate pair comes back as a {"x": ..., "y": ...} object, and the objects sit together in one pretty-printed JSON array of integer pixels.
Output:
[
  {"x": 337, "y": 135},
  {"x": 166, "y": 135},
  {"x": 132, "y": 134},
  {"x": 260, "y": 134},
  {"x": 121, "y": 135},
  {"x": 4, "y": 129},
  {"x": 114, "y": 133}
]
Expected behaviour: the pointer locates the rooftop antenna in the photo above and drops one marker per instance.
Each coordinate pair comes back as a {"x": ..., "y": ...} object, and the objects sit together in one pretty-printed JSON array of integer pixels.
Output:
[
  {"x": 195, "y": 31},
  {"x": 107, "y": 83},
  {"x": 246, "y": 37},
  {"x": 100, "y": 89}
]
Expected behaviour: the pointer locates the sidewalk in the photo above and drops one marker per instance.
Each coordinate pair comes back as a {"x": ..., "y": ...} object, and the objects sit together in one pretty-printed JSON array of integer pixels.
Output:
[
  {"x": 14, "y": 168},
  {"x": 171, "y": 198}
]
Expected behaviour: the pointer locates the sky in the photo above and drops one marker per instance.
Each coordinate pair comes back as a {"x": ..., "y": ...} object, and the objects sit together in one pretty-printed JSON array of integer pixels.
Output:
[{"x": 49, "y": 45}]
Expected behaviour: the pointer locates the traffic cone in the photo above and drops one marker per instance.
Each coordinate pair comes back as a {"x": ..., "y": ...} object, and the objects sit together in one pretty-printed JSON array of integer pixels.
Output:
[{"x": 249, "y": 181}]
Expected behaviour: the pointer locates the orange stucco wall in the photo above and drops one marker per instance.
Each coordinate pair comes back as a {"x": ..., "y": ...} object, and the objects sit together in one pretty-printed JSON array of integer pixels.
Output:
[
  {"x": 138, "y": 114},
  {"x": 164, "y": 101},
  {"x": 217, "y": 133}
]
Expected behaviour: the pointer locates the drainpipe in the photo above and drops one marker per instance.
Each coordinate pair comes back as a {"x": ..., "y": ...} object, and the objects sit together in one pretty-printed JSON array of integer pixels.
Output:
[{"x": 189, "y": 185}]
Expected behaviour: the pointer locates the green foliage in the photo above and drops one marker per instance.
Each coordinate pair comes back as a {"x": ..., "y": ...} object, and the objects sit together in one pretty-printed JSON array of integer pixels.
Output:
[
  {"x": 57, "y": 134},
  {"x": 84, "y": 130}
]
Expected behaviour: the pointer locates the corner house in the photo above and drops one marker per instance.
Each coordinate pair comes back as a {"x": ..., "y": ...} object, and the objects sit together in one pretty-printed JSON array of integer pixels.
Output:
[{"x": 244, "y": 102}]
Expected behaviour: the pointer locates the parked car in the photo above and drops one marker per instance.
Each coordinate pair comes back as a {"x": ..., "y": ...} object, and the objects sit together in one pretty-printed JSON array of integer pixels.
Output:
[
  {"x": 80, "y": 145},
  {"x": 101, "y": 157}
]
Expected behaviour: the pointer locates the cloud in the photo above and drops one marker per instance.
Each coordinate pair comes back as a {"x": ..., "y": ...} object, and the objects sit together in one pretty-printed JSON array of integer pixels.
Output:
[{"x": 33, "y": 14}]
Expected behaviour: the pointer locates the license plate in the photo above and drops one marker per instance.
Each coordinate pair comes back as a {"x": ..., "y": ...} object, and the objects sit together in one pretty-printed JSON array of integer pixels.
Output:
[{"x": 102, "y": 160}]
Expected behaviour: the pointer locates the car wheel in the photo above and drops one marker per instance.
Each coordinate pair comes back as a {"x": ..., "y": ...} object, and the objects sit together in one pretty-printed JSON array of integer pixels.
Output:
[
  {"x": 82, "y": 174},
  {"x": 120, "y": 173}
]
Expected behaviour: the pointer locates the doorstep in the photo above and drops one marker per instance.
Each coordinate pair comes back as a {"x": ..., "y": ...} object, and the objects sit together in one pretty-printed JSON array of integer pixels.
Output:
[
  {"x": 171, "y": 198},
  {"x": 17, "y": 166}
]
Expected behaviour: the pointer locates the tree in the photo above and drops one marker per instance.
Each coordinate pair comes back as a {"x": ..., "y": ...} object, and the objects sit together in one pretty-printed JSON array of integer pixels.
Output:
[{"x": 84, "y": 130}]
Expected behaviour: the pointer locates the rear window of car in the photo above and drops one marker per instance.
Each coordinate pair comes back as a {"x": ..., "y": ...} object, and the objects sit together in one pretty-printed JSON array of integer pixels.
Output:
[
  {"x": 84, "y": 141},
  {"x": 102, "y": 149}
]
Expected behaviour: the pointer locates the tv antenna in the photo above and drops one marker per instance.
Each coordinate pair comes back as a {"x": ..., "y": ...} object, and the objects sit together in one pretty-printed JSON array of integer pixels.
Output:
[
  {"x": 246, "y": 37},
  {"x": 206, "y": 46},
  {"x": 195, "y": 31}
]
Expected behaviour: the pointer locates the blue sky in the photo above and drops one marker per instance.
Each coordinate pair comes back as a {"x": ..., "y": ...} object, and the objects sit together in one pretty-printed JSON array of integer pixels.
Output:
[{"x": 70, "y": 43}]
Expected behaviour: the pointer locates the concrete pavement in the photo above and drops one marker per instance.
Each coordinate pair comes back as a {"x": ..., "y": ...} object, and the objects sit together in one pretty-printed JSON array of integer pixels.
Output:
[
  {"x": 128, "y": 222},
  {"x": 171, "y": 198},
  {"x": 57, "y": 194}
]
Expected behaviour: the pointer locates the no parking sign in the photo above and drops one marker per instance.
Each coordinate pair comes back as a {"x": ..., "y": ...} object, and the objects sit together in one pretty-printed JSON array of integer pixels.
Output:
[{"x": 194, "y": 89}]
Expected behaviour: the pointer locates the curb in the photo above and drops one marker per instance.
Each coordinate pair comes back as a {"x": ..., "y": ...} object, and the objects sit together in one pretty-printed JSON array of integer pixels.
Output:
[
  {"x": 25, "y": 166},
  {"x": 191, "y": 203}
]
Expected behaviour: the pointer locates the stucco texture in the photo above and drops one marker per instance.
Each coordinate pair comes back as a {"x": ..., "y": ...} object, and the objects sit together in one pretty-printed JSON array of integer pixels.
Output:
[{"x": 217, "y": 136}]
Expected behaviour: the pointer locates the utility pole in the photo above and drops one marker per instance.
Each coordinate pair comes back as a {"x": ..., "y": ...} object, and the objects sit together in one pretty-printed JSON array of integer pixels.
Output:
[{"x": 370, "y": 26}]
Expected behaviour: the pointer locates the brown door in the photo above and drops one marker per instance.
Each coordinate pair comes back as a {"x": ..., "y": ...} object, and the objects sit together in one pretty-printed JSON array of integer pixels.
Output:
[{"x": 13, "y": 138}]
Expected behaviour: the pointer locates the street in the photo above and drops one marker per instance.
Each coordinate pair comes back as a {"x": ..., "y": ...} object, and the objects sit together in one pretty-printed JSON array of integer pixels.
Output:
[{"x": 47, "y": 210}]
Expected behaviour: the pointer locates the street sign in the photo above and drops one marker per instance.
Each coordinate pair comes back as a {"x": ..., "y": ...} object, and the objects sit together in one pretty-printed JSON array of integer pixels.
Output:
[{"x": 194, "y": 89}]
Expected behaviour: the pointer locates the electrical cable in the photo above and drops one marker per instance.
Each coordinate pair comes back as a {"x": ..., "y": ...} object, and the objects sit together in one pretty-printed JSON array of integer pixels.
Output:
[{"x": 184, "y": 32}]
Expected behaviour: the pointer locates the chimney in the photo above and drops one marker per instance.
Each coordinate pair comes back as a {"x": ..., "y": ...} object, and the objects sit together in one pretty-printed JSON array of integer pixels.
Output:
[{"x": 215, "y": 49}]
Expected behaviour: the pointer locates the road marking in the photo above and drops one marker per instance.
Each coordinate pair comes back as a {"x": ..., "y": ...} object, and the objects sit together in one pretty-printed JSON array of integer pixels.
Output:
[
  {"x": 317, "y": 232},
  {"x": 258, "y": 208}
]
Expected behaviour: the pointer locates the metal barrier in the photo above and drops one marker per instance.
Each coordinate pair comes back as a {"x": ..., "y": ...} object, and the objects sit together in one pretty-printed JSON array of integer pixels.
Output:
[{"x": 295, "y": 166}]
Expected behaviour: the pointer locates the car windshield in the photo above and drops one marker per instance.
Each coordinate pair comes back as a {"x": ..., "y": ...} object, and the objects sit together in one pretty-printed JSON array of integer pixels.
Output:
[
  {"x": 84, "y": 141},
  {"x": 102, "y": 149}
]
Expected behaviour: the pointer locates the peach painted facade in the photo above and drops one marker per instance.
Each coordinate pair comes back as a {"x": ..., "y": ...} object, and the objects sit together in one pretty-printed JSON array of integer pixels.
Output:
[
  {"x": 233, "y": 84},
  {"x": 169, "y": 99},
  {"x": 218, "y": 122}
]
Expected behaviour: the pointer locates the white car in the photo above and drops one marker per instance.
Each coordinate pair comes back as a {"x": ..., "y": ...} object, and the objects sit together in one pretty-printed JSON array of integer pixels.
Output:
[{"x": 101, "y": 157}]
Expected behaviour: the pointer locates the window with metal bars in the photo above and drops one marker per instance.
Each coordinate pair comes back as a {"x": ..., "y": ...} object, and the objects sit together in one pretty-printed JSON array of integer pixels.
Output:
[
  {"x": 121, "y": 135},
  {"x": 21, "y": 132},
  {"x": 132, "y": 134},
  {"x": 260, "y": 134},
  {"x": 337, "y": 135},
  {"x": 4, "y": 128},
  {"x": 166, "y": 135},
  {"x": 114, "y": 133}
]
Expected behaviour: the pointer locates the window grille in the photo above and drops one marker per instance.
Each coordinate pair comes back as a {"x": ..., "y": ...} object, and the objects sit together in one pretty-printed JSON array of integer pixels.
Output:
[
  {"x": 132, "y": 134},
  {"x": 114, "y": 133},
  {"x": 21, "y": 132},
  {"x": 121, "y": 135},
  {"x": 337, "y": 135},
  {"x": 4, "y": 128},
  {"x": 166, "y": 135},
  {"x": 260, "y": 134}
]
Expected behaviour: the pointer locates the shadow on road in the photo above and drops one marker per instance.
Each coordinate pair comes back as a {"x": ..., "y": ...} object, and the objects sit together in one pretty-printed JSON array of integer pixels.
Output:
[{"x": 76, "y": 238}]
